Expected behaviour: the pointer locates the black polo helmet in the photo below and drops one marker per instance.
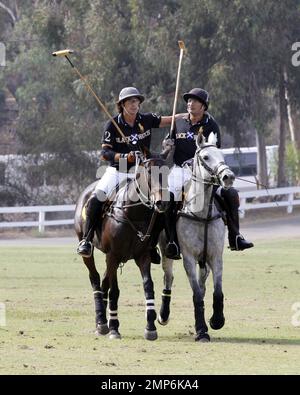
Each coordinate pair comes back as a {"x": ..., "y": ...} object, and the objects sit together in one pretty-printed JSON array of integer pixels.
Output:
[
  {"x": 128, "y": 92},
  {"x": 198, "y": 94}
]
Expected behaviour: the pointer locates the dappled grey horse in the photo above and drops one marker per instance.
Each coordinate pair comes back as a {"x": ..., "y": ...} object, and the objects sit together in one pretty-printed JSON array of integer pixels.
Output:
[{"x": 201, "y": 232}]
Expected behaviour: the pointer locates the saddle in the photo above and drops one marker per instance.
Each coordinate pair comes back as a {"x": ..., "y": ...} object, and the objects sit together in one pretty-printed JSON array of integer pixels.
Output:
[{"x": 107, "y": 206}]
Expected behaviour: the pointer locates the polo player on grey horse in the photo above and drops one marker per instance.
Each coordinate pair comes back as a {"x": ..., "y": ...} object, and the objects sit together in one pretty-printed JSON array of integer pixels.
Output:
[{"x": 198, "y": 121}]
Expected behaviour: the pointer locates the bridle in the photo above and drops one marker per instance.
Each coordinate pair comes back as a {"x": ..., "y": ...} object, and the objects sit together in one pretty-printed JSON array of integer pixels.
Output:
[
  {"x": 141, "y": 162},
  {"x": 215, "y": 173}
]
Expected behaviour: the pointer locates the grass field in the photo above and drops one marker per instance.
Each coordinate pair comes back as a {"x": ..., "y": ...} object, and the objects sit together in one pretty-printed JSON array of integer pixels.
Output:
[{"x": 50, "y": 317}]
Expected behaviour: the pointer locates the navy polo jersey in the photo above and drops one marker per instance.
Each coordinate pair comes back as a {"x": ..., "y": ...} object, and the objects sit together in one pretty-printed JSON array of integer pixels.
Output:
[
  {"x": 186, "y": 135},
  {"x": 136, "y": 136}
]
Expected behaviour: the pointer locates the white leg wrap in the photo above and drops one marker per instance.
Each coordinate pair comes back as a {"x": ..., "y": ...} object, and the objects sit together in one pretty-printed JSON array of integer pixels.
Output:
[{"x": 113, "y": 314}]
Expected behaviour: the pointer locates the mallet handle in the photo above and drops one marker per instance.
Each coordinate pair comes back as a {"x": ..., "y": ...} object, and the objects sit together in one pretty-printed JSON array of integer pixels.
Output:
[{"x": 182, "y": 50}]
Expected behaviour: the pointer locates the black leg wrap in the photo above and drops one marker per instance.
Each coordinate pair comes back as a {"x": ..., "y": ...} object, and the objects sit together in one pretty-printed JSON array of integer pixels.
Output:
[
  {"x": 217, "y": 320},
  {"x": 100, "y": 308},
  {"x": 150, "y": 314},
  {"x": 200, "y": 324},
  {"x": 165, "y": 307}
]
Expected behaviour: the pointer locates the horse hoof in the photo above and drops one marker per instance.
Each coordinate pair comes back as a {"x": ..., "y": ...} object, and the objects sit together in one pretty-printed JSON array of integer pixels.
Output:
[
  {"x": 202, "y": 338},
  {"x": 150, "y": 335},
  {"x": 217, "y": 324},
  {"x": 161, "y": 321},
  {"x": 102, "y": 329},
  {"x": 113, "y": 334}
]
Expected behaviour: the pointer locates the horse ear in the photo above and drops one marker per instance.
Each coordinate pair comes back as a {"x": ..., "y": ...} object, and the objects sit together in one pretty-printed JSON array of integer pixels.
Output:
[
  {"x": 200, "y": 140},
  {"x": 212, "y": 139}
]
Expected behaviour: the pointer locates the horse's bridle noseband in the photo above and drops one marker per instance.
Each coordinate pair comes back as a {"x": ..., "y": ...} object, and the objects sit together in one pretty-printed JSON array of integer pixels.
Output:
[
  {"x": 216, "y": 172},
  {"x": 143, "y": 198}
]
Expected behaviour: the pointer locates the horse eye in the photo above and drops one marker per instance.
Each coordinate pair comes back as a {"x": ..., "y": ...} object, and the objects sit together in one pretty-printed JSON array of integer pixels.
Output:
[{"x": 205, "y": 157}]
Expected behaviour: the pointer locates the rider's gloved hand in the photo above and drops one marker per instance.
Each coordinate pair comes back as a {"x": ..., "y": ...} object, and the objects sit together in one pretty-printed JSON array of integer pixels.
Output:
[
  {"x": 131, "y": 157},
  {"x": 168, "y": 146},
  {"x": 168, "y": 143}
]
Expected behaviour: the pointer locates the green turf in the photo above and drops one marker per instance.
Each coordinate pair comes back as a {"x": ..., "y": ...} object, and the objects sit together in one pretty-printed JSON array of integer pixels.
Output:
[{"x": 50, "y": 317}]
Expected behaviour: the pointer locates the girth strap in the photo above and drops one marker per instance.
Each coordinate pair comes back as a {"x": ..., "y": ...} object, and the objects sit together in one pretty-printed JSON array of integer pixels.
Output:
[
  {"x": 126, "y": 220},
  {"x": 194, "y": 217}
]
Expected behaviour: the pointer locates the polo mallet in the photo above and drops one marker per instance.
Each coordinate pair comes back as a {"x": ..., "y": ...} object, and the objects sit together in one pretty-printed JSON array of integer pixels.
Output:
[
  {"x": 182, "y": 50},
  {"x": 65, "y": 53}
]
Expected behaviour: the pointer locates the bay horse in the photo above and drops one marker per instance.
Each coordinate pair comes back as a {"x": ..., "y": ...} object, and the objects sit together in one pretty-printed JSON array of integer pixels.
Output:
[
  {"x": 126, "y": 233},
  {"x": 201, "y": 233}
]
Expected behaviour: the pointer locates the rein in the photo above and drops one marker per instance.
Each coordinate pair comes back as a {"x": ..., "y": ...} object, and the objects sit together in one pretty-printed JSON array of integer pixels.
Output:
[{"x": 144, "y": 200}]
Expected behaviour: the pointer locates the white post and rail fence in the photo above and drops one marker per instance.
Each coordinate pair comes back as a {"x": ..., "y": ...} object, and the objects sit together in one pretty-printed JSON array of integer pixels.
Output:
[
  {"x": 40, "y": 211},
  {"x": 276, "y": 197}
]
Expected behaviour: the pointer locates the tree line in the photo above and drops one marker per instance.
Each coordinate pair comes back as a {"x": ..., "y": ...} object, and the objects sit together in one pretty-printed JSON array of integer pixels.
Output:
[{"x": 240, "y": 51}]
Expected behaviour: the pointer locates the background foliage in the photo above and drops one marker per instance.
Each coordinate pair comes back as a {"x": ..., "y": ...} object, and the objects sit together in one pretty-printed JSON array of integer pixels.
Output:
[{"x": 240, "y": 51}]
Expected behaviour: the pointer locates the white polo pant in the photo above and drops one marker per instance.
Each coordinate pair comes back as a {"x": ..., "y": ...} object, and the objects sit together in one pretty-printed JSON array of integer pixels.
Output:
[
  {"x": 111, "y": 178},
  {"x": 177, "y": 179}
]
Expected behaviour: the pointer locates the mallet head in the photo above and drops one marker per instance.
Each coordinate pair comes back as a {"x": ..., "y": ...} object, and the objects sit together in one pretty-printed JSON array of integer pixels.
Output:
[
  {"x": 182, "y": 46},
  {"x": 63, "y": 52}
]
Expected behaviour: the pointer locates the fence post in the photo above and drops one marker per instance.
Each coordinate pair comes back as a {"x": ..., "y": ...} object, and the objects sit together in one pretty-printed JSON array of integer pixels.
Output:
[
  {"x": 242, "y": 208},
  {"x": 290, "y": 203},
  {"x": 41, "y": 221}
]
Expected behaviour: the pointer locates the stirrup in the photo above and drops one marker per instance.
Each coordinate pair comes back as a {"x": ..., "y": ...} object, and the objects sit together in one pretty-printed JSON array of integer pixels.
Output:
[
  {"x": 240, "y": 244},
  {"x": 172, "y": 251},
  {"x": 85, "y": 248}
]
